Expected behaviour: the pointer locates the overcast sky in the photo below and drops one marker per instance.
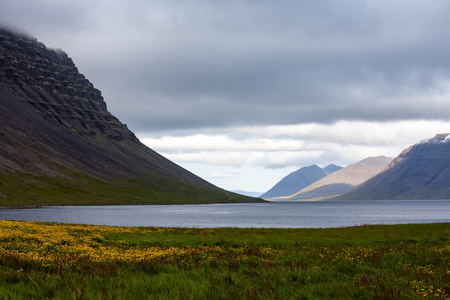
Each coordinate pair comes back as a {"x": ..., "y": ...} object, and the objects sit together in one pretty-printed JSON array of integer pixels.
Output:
[{"x": 244, "y": 92}]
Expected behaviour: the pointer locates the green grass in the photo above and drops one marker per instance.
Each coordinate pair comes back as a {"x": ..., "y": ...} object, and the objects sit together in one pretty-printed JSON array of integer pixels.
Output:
[
  {"x": 67, "y": 261},
  {"x": 19, "y": 189}
]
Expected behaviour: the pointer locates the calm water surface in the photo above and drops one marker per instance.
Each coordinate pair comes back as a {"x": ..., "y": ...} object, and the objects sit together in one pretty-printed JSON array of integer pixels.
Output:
[{"x": 321, "y": 214}]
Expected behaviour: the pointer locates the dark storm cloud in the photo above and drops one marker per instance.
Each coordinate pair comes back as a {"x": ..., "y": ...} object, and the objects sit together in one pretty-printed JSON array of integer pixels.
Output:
[{"x": 189, "y": 64}]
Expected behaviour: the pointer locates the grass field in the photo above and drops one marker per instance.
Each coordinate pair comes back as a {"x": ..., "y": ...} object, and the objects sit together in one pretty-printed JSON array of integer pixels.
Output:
[
  {"x": 21, "y": 189},
  {"x": 69, "y": 261}
]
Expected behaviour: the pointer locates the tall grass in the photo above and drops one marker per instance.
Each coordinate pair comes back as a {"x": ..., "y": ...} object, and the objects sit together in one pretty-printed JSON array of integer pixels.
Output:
[{"x": 68, "y": 261}]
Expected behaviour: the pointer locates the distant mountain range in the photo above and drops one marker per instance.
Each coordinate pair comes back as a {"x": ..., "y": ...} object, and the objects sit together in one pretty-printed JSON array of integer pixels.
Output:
[
  {"x": 298, "y": 180},
  {"x": 343, "y": 180},
  {"x": 60, "y": 145},
  {"x": 420, "y": 172}
]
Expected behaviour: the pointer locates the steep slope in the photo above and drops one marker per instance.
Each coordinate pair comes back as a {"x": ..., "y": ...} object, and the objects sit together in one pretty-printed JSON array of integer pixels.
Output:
[
  {"x": 59, "y": 143},
  {"x": 420, "y": 172},
  {"x": 343, "y": 180},
  {"x": 297, "y": 180}
]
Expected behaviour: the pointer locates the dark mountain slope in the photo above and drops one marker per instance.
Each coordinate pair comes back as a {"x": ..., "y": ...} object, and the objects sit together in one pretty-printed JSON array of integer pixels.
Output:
[
  {"x": 420, "y": 172},
  {"x": 297, "y": 180},
  {"x": 59, "y": 144}
]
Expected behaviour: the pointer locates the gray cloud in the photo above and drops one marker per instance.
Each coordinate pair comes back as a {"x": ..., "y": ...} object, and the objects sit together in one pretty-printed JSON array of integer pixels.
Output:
[{"x": 164, "y": 65}]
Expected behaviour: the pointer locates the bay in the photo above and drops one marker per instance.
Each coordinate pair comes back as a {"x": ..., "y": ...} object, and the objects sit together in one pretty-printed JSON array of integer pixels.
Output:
[{"x": 320, "y": 214}]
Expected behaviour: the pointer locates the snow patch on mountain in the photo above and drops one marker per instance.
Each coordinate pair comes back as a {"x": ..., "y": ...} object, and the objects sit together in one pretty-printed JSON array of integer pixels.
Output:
[{"x": 439, "y": 138}]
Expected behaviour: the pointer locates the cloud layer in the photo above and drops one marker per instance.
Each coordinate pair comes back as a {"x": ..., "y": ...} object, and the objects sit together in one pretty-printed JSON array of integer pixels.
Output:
[
  {"x": 281, "y": 146},
  {"x": 193, "y": 64}
]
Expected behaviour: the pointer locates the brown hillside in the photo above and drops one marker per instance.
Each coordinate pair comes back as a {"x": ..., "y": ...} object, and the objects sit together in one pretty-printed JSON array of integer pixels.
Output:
[{"x": 344, "y": 179}]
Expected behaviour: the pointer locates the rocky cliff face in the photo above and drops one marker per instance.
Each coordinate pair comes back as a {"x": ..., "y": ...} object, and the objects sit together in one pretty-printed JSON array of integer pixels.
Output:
[
  {"x": 420, "y": 172},
  {"x": 58, "y": 140},
  {"x": 49, "y": 81}
]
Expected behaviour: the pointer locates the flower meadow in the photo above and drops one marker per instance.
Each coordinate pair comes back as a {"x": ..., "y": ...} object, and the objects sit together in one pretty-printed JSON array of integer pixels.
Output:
[{"x": 70, "y": 261}]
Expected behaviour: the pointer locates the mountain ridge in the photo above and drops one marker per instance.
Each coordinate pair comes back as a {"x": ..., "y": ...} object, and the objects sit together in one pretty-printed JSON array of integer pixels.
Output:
[
  {"x": 299, "y": 179},
  {"x": 340, "y": 181}
]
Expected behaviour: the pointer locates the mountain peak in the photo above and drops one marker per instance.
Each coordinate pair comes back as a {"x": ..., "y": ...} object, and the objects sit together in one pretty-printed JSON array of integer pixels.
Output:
[
  {"x": 297, "y": 180},
  {"x": 332, "y": 168},
  {"x": 438, "y": 138},
  {"x": 344, "y": 179}
]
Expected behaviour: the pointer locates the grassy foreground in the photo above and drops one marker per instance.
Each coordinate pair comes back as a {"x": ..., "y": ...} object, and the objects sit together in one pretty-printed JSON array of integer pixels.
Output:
[{"x": 68, "y": 261}]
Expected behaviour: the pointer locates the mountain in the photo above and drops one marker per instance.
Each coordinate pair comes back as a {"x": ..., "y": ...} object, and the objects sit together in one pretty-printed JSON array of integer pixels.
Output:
[
  {"x": 299, "y": 179},
  {"x": 420, "y": 172},
  {"x": 344, "y": 179},
  {"x": 331, "y": 169},
  {"x": 60, "y": 145}
]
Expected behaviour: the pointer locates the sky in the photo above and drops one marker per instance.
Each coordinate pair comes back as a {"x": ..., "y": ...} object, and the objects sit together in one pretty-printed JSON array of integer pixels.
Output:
[{"x": 242, "y": 93}]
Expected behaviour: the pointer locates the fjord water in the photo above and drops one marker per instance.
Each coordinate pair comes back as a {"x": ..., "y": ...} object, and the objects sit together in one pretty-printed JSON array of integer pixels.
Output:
[{"x": 322, "y": 214}]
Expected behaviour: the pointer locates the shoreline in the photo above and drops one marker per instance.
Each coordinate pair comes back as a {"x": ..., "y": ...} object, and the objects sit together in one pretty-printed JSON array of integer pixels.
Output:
[{"x": 24, "y": 206}]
